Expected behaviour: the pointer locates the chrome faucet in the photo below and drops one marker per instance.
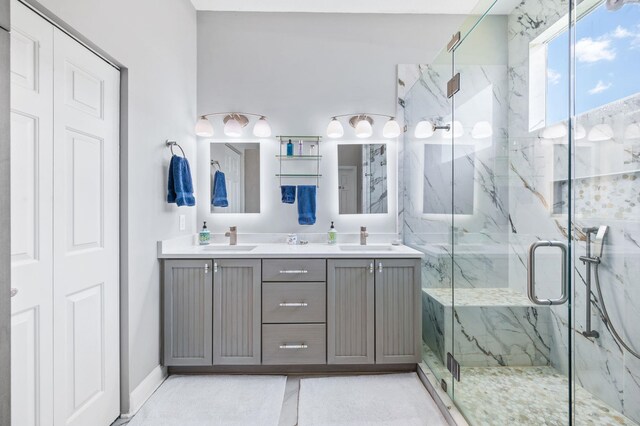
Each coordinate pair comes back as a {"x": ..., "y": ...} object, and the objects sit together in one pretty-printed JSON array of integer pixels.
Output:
[
  {"x": 232, "y": 233},
  {"x": 363, "y": 235}
]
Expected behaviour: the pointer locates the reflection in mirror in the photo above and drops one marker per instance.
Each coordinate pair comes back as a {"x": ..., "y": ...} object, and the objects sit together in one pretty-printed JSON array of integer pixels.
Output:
[
  {"x": 437, "y": 179},
  {"x": 362, "y": 178},
  {"x": 240, "y": 163}
]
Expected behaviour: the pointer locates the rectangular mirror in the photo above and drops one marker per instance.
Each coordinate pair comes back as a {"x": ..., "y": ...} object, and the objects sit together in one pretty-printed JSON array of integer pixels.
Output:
[
  {"x": 240, "y": 164},
  {"x": 437, "y": 180},
  {"x": 362, "y": 178}
]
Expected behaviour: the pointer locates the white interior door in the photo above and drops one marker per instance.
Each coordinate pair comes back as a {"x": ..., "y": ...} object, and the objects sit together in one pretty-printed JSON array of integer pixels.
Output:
[
  {"x": 85, "y": 249},
  {"x": 232, "y": 167},
  {"x": 31, "y": 218},
  {"x": 347, "y": 181}
]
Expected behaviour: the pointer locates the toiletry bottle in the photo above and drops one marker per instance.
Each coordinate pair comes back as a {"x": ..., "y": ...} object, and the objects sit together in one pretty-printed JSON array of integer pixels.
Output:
[
  {"x": 333, "y": 235},
  {"x": 205, "y": 235},
  {"x": 289, "y": 149},
  {"x": 300, "y": 146},
  {"x": 312, "y": 149}
]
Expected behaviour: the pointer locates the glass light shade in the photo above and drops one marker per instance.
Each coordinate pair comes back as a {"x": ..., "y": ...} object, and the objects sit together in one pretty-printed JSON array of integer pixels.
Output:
[
  {"x": 580, "y": 132},
  {"x": 391, "y": 129},
  {"x": 204, "y": 128},
  {"x": 600, "y": 133},
  {"x": 424, "y": 129},
  {"x": 364, "y": 129},
  {"x": 262, "y": 129},
  {"x": 554, "y": 132},
  {"x": 335, "y": 129},
  {"x": 456, "y": 127},
  {"x": 232, "y": 128},
  {"x": 482, "y": 130},
  {"x": 632, "y": 131}
]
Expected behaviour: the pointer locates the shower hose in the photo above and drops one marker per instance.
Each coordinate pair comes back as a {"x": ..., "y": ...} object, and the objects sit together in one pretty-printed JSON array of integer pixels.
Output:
[{"x": 608, "y": 320}]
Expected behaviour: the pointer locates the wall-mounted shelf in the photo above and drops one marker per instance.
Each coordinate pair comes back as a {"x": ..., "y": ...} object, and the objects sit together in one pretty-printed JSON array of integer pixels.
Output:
[{"x": 283, "y": 158}]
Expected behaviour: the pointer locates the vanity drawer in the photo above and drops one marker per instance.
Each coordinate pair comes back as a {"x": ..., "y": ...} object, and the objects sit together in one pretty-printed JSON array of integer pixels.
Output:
[
  {"x": 294, "y": 302},
  {"x": 294, "y": 270},
  {"x": 294, "y": 344}
]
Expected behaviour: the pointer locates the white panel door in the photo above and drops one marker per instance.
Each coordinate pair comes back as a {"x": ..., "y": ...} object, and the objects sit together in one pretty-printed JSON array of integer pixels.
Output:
[
  {"x": 86, "y": 276},
  {"x": 31, "y": 218},
  {"x": 347, "y": 189}
]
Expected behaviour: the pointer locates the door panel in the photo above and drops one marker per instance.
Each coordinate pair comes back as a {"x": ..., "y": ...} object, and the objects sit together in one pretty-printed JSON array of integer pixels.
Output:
[
  {"x": 31, "y": 218},
  {"x": 86, "y": 246}
]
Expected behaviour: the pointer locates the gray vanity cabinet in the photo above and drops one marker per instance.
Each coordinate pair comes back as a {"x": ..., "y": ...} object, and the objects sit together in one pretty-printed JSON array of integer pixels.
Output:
[
  {"x": 187, "y": 312},
  {"x": 397, "y": 311},
  {"x": 350, "y": 311},
  {"x": 236, "y": 312}
]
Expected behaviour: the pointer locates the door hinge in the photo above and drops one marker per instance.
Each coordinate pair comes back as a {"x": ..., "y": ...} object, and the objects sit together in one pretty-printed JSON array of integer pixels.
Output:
[
  {"x": 453, "y": 366},
  {"x": 453, "y": 85},
  {"x": 454, "y": 41}
]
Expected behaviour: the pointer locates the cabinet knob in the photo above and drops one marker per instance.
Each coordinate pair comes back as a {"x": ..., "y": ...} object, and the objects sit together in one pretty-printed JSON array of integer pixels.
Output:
[
  {"x": 380, "y": 267},
  {"x": 371, "y": 268},
  {"x": 206, "y": 268},
  {"x": 215, "y": 267}
]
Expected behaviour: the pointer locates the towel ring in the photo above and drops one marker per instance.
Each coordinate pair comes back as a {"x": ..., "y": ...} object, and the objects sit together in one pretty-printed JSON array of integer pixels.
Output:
[{"x": 171, "y": 144}]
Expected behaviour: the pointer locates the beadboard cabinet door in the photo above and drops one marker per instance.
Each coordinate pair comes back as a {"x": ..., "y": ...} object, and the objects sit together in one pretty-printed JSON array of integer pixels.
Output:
[
  {"x": 188, "y": 312},
  {"x": 398, "y": 326},
  {"x": 350, "y": 311},
  {"x": 237, "y": 323}
]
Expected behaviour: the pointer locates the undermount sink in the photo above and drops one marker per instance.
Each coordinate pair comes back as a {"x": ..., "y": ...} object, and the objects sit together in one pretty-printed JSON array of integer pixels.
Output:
[
  {"x": 356, "y": 247},
  {"x": 228, "y": 248}
]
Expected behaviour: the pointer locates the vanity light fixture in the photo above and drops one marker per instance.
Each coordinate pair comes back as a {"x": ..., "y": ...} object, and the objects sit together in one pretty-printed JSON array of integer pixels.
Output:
[
  {"x": 579, "y": 132},
  {"x": 456, "y": 129},
  {"x": 554, "y": 132},
  {"x": 363, "y": 125},
  {"x": 482, "y": 130},
  {"x": 600, "y": 133},
  {"x": 234, "y": 122},
  {"x": 426, "y": 129},
  {"x": 632, "y": 131}
]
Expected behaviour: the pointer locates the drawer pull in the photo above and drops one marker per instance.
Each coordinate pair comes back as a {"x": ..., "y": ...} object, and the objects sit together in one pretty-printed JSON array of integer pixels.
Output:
[
  {"x": 294, "y": 304},
  {"x": 294, "y": 346},
  {"x": 294, "y": 271}
]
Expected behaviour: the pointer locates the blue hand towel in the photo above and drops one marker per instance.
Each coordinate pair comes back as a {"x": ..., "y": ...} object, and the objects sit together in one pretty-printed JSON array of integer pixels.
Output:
[
  {"x": 288, "y": 194},
  {"x": 306, "y": 204},
  {"x": 179, "y": 186},
  {"x": 219, "y": 198}
]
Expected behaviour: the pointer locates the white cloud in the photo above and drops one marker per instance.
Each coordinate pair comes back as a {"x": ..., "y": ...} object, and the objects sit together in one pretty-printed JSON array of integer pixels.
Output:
[
  {"x": 621, "y": 32},
  {"x": 599, "y": 88},
  {"x": 553, "y": 76},
  {"x": 590, "y": 50}
]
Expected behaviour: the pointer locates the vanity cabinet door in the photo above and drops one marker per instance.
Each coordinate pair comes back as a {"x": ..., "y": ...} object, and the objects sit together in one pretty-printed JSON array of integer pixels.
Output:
[
  {"x": 237, "y": 316},
  {"x": 398, "y": 326},
  {"x": 188, "y": 302},
  {"x": 350, "y": 311}
]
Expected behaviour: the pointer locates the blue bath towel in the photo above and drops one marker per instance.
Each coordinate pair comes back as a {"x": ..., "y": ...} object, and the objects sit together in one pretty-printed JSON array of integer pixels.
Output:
[
  {"x": 219, "y": 198},
  {"x": 306, "y": 204},
  {"x": 179, "y": 186},
  {"x": 288, "y": 194}
]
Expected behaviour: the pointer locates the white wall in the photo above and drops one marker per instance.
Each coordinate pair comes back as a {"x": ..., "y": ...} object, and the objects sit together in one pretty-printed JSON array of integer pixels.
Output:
[
  {"x": 299, "y": 69},
  {"x": 156, "y": 42}
]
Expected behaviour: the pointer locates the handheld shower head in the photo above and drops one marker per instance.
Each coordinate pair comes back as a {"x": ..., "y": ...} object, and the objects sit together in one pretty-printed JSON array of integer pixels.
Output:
[
  {"x": 598, "y": 244},
  {"x": 613, "y": 5}
]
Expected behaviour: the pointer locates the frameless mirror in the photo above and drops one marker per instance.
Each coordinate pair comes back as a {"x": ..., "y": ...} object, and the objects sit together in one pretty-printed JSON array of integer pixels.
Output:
[
  {"x": 437, "y": 179},
  {"x": 239, "y": 178},
  {"x": 362, "y": 178}
]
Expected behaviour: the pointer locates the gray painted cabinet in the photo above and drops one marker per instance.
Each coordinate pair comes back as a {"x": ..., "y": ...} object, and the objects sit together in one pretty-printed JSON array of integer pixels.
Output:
[
  {"x": 236, "y": 308},
  {"x": 188, "y": 312},
  {"x": 350, "y": 311},
  {"x": 398, "y": 326}
]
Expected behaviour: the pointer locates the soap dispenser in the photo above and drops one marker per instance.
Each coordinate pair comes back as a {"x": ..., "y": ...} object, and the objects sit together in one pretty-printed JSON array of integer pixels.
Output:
[
  {"x": 332, "y": 235},
  {"x": 290, "y": 149},
  {"x": 205, "y": 235}
]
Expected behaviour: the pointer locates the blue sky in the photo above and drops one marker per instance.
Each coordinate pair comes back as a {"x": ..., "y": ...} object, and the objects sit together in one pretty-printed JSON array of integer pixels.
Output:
[{"x": 607, "y": 54}]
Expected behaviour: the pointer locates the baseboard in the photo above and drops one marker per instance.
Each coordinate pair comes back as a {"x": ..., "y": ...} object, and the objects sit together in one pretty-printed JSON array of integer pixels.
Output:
[{"x": 144, "y": 390}]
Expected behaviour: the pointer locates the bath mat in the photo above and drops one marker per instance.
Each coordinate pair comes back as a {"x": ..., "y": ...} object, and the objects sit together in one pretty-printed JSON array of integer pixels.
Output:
[
  {"x": 389, "y": 400},
  {"x": 214, "y": 400}
]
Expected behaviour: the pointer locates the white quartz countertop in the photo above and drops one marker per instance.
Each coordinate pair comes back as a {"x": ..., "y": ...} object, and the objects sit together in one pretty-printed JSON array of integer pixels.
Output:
[{"x": 282, "y": 250}]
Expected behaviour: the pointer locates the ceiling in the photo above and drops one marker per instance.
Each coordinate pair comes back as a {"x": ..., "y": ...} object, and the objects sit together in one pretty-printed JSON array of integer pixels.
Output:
[{"x": 457, "y": 7}]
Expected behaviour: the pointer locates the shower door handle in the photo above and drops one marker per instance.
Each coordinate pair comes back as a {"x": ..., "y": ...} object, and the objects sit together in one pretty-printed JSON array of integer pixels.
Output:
[{"x": 531, "y": 274}]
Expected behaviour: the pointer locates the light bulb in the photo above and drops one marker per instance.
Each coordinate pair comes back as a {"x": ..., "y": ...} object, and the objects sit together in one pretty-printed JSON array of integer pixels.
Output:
[
  {"x": 262, "y": 129},
  {"x": 364, "y": 129},
  {"x": 424, "y": 129},
  {"x": 456, "y": 128},
  {"x": 335, "y": 129},
  {"x": 482, "y": 130},
  {"x": 391, "y": 129},
  {"x": 204, "y": 128},
  {"x": 232, "y": 128},
  {"x": 600, "y": 133},
  {"x": 554, "y": 132},
  {"x": 632, "y": 131}
]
